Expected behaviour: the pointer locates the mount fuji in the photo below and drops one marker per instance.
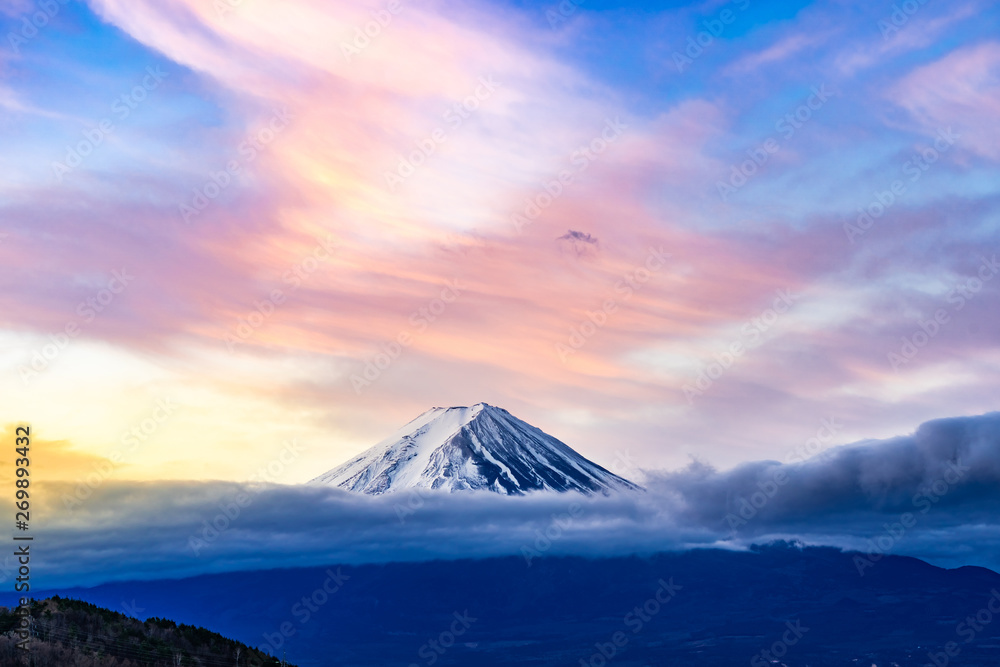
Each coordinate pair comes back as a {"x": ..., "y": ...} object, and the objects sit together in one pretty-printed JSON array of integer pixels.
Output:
[{"x": 477, "y": 448}]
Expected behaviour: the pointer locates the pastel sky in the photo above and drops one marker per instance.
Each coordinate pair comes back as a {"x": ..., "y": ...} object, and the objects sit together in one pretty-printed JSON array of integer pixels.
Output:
[{"x": 217, "y": 213}]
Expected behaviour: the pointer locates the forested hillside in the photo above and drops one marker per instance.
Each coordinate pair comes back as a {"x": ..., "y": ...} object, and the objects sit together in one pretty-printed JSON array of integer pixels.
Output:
[{"x": 69, "y": 632}]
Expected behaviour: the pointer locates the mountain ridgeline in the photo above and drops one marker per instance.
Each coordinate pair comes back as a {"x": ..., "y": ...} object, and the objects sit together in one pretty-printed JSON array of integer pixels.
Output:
[
  {"x": 68, "y": 632},
  {"x": 477, "y": 448},
  {"x": 702, "y": 608}
]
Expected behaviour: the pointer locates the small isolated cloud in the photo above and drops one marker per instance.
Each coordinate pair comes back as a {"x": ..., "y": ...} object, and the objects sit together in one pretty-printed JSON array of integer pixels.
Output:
[
  {"x": 580, "y": 243},
  {"x": 573, "y": 235}
]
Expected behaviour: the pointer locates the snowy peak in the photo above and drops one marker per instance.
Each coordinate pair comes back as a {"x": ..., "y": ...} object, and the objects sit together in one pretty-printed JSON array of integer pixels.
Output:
[{"x": 480, "y": 447}]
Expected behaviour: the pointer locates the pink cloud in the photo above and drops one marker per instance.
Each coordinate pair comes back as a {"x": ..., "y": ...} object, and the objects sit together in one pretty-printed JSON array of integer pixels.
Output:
[
  {"x": 777, "y": 52},
  {"x": 918, "y": 32},
  {"x": 962, "y": 91},
  {"x": 522, "y": 294}
]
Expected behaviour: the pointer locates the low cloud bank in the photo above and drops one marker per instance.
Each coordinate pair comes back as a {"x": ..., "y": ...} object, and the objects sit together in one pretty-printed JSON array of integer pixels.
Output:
[{"x": 934, "y": 494}]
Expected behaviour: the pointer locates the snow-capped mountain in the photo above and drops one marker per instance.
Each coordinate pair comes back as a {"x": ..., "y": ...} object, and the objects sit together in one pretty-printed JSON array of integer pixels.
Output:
[{"x": 472, "y": 448}]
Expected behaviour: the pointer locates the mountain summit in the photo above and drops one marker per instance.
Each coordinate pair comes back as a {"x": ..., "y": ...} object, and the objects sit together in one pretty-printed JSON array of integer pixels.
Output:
[{"x": 472, "y": 448}]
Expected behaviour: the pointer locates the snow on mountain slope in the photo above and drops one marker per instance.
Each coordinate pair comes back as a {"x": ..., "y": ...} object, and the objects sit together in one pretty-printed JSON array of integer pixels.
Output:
[{"x": 481, "y": 447}]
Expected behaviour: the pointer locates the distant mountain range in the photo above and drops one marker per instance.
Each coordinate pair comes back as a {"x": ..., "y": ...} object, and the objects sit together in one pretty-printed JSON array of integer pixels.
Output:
[
  {"x": 477, "y": 448},
  {"x": 775, "y": 605}
]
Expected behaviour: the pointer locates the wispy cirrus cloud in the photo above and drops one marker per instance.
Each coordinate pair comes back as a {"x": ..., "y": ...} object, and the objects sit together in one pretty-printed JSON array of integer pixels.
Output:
[
  {"x": 961, "y": 90},
  {"x": 491, "y": 115}
]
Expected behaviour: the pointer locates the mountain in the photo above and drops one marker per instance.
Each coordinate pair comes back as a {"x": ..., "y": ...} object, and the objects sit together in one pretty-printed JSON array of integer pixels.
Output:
[
  {"x": 703, "y": 608},
  {"x": 472, "y": 448},
  {"x": 72, "y": 632}
]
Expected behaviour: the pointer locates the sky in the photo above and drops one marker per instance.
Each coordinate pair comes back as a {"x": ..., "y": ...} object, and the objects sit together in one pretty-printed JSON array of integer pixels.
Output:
[{"x": 239, "y": 231}]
